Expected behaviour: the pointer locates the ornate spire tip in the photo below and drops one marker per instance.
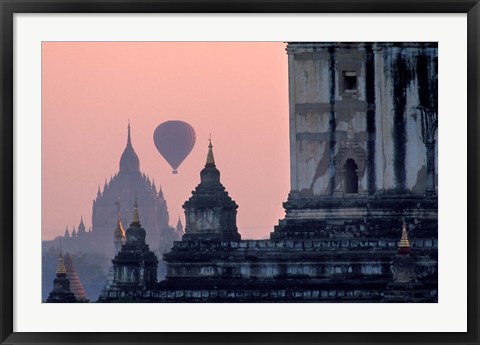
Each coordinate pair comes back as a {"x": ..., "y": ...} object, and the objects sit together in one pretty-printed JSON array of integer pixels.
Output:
[
  {"x": 210, "y": 158},
  {"x": 61, "y": 270}
]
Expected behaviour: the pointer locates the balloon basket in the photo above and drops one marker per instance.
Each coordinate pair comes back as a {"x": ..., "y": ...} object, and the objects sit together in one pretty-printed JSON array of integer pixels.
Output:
[{"x": 175, "y": 172}]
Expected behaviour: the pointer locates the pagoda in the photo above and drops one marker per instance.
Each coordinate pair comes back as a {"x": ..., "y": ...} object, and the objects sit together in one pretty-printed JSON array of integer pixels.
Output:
[
  {"x": 119, "y": 241},
  {"x": 210, "y": 212},
  {"x": 134, "y": 266},
  {"x": 405, "y": 285},
  {"x": 61, "y": 292}
]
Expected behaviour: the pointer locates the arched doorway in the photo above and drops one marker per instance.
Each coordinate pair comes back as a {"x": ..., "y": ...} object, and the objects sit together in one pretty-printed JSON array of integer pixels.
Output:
[{"x": 351, "y": 177}]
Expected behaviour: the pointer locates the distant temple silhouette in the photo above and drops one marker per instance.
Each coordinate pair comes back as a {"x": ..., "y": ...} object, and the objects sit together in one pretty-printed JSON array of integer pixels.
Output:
[{"x": 126, "y": 186}]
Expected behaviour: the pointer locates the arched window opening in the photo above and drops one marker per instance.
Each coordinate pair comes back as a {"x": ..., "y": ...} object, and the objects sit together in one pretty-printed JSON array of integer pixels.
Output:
[{"x": 351, "y": 177}]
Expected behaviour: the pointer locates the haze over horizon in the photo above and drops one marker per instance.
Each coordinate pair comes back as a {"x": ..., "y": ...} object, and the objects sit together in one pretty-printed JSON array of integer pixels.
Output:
[{"x": 237, "y": 91}]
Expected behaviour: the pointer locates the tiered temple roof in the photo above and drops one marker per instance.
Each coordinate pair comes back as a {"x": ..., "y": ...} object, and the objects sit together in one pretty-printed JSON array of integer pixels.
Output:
[
  {"x": 75, "y": 284},
  {"x": 210, "y": 212}
]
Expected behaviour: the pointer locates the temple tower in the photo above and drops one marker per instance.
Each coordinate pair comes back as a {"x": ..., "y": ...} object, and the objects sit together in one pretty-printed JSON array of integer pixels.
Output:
[
  {"x": 135, "y": 266},
  {"x": 404, "y": 285},
  {"x": 179, "y": 228},
  {"x": 403, "y": 266},
  {"x": 124, "y": 187},
  {"x": 372, "y": 103},
  {"x": 210, "y": 212},
  {"x": 119, "y": 241},
  {"x": 81, "y": 228},
  {"x": 61, "y": 292},
  {"x": 362, "y": 139}
]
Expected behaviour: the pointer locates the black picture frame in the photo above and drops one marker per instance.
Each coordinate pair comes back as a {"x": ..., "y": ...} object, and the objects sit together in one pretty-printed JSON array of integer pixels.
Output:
[{"x": 9, "y": 7}]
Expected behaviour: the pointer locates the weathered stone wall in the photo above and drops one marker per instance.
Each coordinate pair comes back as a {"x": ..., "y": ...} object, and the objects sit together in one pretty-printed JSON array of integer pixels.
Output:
[
  {"x": 303, "y": 261},
  {"x": 375, "y": 122},
  {"x": 373, "y": 216},
  {"x": 370, "y": 294}
]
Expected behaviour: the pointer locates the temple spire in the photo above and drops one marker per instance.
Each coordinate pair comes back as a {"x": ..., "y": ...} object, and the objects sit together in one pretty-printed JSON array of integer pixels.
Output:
[
  {"x": 119, "y": 233},
  {"x": 129, "y": 140},
  {"x": 61, "y": 292},
  {"x": 129, "y": 162},
  {"x": 179, "y": 225},
  {"x": 136, "y": 218},
  {"x": 81, "y": 227},
  {"x": 210, "y": 160},
  {"x": 61, "y": 270},
  {"x": 160, "y": 192},
  {"x": 404, "y": 246}
]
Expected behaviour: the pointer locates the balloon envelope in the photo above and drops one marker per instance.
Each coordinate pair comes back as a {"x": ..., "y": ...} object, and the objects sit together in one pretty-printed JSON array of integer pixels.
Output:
[{"x": 174, "y": 140}]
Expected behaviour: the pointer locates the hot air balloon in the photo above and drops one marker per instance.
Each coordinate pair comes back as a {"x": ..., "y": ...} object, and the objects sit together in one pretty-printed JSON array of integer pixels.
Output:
[{"x": 174, "y": 140}]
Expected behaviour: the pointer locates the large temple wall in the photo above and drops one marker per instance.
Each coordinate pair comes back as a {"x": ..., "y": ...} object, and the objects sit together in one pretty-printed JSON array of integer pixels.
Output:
[
  {"x": 313, "y": 258},
  {"x": 285, "y": 269},
  {"x": 398, "y": 119},
  {"x": 386, "y": 122}
]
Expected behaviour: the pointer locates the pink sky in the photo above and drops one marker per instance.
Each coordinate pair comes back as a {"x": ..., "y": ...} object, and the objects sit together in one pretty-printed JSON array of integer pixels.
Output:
[{"x": 238, "y": 92}]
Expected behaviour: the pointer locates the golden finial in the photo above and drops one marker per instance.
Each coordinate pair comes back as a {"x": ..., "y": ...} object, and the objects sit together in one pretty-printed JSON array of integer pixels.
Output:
[
  {"x": 61, "y": 270},
  {"x": 404, "y": 246},
  {"x": 119, "y": 231},
  {"x": 210, "y": 159},
  {"x": 136, "y": 218}
]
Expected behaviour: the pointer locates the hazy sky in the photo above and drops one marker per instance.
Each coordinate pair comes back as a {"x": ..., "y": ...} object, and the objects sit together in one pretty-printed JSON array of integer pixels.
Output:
[{"x": 238, "y": 92}]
